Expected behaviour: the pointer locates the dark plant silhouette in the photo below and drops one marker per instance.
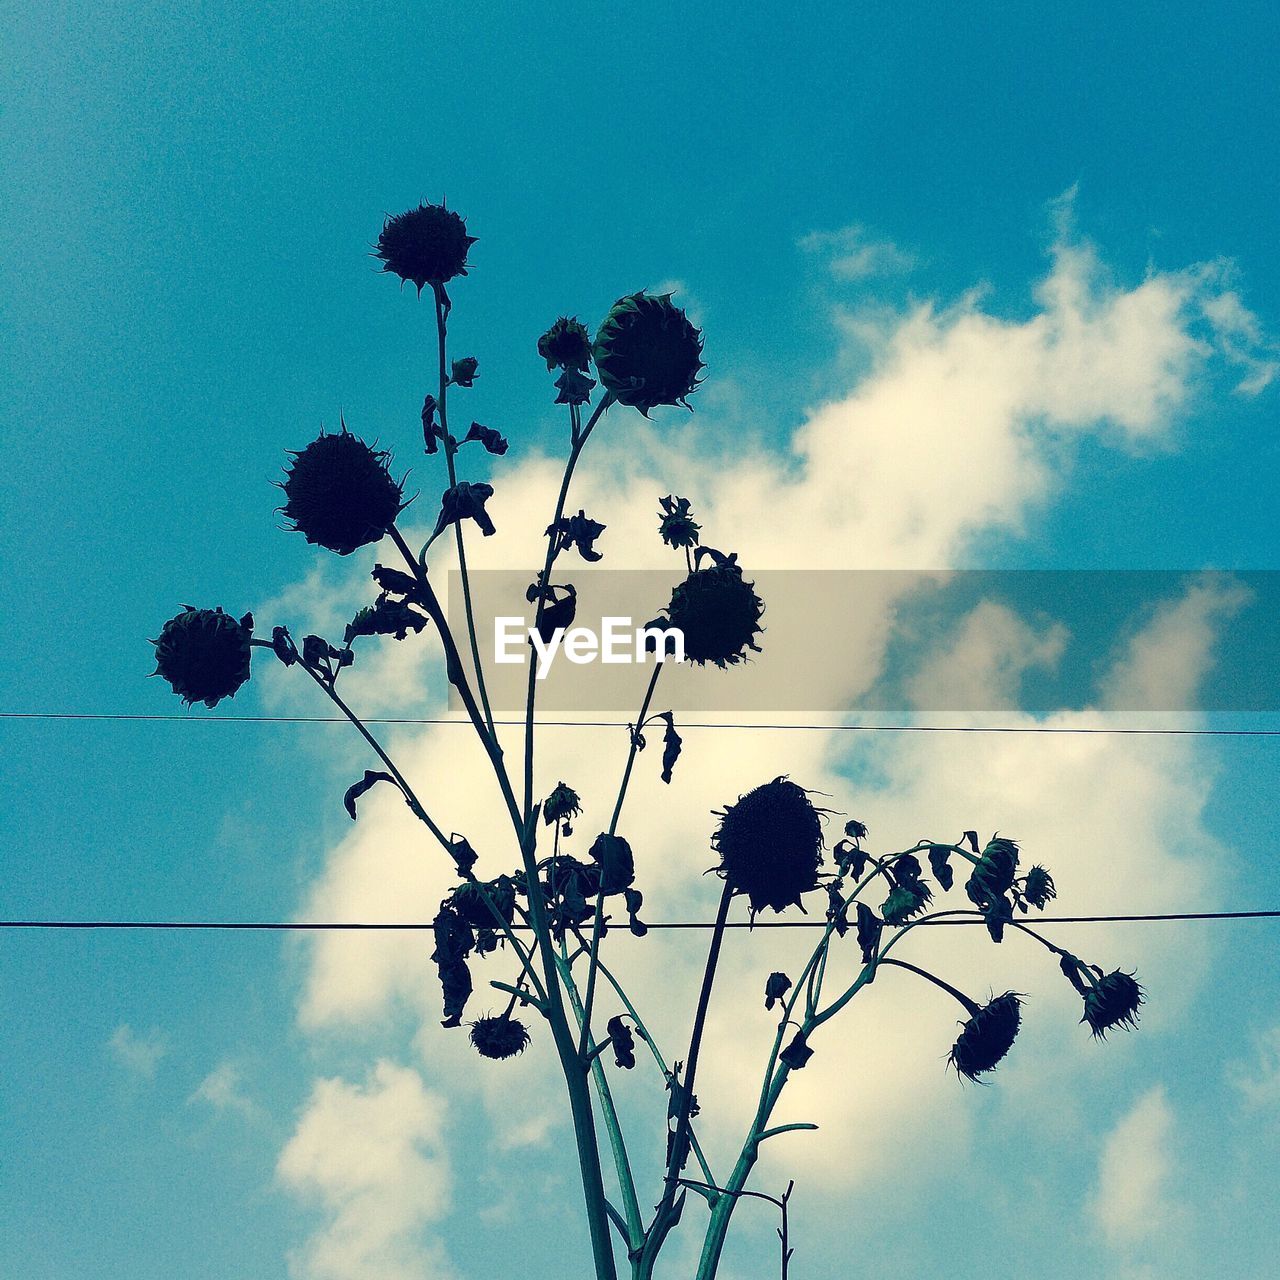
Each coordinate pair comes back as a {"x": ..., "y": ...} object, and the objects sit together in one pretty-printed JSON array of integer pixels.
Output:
[{"x": 544, "y": 921}]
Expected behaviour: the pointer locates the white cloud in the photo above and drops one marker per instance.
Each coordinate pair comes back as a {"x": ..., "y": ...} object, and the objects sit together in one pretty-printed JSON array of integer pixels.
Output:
[
  {"x": 1131, "y": 1201},
  {"x": 374, "y": 1158},
  {"x": 137, "y": 1053},
  {"x": 223, "y": 1090},
  {"x": 981, "y": 667},
  {"x": 1259, "y": 1080},
  {"x": 853, "y": 253}
]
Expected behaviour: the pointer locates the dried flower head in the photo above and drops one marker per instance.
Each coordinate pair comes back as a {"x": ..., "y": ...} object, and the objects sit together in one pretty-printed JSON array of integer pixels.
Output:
[
  {"x": 340, "y": 494},
  {"x": 987, "y": 1036},
  {"x": 770, "y": 845},
  {"x": 993, "y": 873},
  {"x": 204, "y": 654},
  {"x": 566, "y": 345},
  {"x": 477, "y": 902},
  {"x": 1112, "y": 1002},
  {"x": 1038, "y": 888},
  {"x": 561, "y": 805},
  {"x": 718, "y": 612},
  {"x": 499, "y": 1036},
  {"x": 647, "y": 353},
  {"x": 678, "y": 527},
  {"x": 427, "y": 245}
]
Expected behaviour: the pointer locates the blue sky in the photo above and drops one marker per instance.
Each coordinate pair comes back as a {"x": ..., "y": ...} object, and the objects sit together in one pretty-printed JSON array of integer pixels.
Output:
[{"x": 191, "y": 197}]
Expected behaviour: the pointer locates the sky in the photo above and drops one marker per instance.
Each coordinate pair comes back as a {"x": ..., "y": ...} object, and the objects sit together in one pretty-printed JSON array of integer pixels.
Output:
[{"x": 980, "y": 290}]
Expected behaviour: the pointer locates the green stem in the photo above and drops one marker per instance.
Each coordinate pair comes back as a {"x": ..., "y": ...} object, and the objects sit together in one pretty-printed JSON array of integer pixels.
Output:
[
  {"x": 449, "y": 447},
  {"x": 597, "y": 928},
  {"x": 613, "y": 1127},
  {"x": 575, "y": 451},
  {"x": 665, "y": 1217}
]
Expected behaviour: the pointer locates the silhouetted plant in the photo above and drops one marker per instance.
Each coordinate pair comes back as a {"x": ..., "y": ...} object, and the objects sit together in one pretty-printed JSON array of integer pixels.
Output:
[{"x": 548, "y": 914}]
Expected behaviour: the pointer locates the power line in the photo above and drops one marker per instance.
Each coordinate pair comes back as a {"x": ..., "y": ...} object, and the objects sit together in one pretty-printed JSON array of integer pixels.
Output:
[
  {"x": 298, "y": 926},
  {"x": 109, "y": 716}
]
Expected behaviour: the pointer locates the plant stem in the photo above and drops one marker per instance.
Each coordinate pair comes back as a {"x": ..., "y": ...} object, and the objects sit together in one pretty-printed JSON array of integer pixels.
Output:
[
  {"x": 609, "y": 1113},
  {"x": 665, "y": 1217},
  {"x": 575, "y": 451},
  {"x": 597, "y": 929},
  {"x": 449, "y": 447}
]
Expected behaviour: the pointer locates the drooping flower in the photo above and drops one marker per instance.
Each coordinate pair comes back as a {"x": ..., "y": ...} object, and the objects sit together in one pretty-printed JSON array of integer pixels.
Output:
[
  {"x": 483, "y": 904},
  {"x": 465, "y": 501},
  {"x": 204, "y": 654},
  {"x": 339, "y": 493},
  {"x": 647, "y": 353},
  {"x": 464, "y": 372},
  {"x": 427, "y": 245},
  {"x": 987, "y": 1036},
  {"x": 499, "y": 1036},
  {"x": 992, "y": 875},
  {"x": 566, "y": 345},
  {"x": 775, "y": 988},
  {"x": 561, "y": 805},
  {"x": 904, "y": 901},
  {"x": 678, "y": 527},
  {"x": 623, "y": 1042},
  {"x": 718, "y": 612},
  {"x": 1112, "y": 1002},
  {"x": 1038, "y": 888},
  {"x": 579, "y": 531},
  {"x": 770, "y": 845}
]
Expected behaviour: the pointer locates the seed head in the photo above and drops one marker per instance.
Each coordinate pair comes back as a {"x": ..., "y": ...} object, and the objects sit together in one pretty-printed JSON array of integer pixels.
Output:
[
  {"x": 647, "y": 353},
  {"x": 566, "y": 345},
  {"x": 427, "y": 245},
  {"x": 339, "y": 493},
  {"x": 987, "y": 1036},
  {"x": 1112, "y": 1003},
  {"x": 718, "y": 612},
  {"x": 499, "y": 1036},
  {"x": 204, "y": 654},
  {"x": 770, "y": 845}
]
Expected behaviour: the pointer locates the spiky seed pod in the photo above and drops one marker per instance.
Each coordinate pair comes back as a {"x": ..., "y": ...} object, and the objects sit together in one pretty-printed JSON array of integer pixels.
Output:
[
  {"x": 340, "y": 494},
  {"x": 647, "y": 353},
  {"x": 770, "y": 845},
  {"x": 204, "y": 654},
  {"x": 1039, "y": 888},
  {"x": 719, "y": 614},
  {"x": 987, "y": 1036},
  {"x": 499, "y": 1036},
  {"x": 566, "y": 345},
  {"x": 427, "y": 245},
  {"x": 476, "y": 902},
  {"x": 1114, "y": 1002}
]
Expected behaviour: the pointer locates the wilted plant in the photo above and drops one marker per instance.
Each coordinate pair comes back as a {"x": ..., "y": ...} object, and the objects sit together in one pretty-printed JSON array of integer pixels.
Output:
[{"x": 548, "y": 915}]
